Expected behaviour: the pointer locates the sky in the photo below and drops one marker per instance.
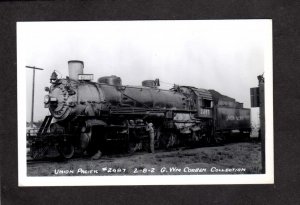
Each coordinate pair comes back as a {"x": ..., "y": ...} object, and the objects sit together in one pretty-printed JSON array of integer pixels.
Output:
[{"x": 224, "y": 55}]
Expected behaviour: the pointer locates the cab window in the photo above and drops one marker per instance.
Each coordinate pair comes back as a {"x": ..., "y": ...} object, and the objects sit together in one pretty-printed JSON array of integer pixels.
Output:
[{"x": 206, "y": 103}]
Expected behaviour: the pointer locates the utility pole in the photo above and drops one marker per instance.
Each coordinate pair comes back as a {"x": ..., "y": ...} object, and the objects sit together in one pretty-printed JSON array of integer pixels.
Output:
[
  {"x": 258, "y": 100},
  {"x": 261, "y": 87},
  {"x": 32, "y": 100}
]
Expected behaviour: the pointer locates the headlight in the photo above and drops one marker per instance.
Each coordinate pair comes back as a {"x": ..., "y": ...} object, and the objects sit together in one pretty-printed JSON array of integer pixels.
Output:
[{"x": 46, "y": 99}]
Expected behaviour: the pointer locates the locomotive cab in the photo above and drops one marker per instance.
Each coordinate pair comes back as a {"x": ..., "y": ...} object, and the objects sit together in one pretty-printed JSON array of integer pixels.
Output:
[{"x": 201, "y": 100}]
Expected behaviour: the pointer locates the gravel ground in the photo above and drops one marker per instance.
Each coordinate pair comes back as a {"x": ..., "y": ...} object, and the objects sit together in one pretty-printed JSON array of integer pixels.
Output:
[{"x": 235, "y": 158}]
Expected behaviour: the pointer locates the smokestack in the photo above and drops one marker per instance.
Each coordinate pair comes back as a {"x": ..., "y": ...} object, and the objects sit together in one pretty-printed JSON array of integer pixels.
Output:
[{"x": 75, "y": 68}]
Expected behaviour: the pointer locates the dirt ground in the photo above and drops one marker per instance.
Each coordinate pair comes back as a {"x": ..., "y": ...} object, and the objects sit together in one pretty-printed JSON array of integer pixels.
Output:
[{"x": 235, "y": 158}]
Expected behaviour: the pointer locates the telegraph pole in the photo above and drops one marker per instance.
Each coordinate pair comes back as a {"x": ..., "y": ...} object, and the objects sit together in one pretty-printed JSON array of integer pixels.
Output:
[
  {"x": 261, "y": 87},
  {"x": 258, "y": 100},
  {"x": 32, "y": 100}
]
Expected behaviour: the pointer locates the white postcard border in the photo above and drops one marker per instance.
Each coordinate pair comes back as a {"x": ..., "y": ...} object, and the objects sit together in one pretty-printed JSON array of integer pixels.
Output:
[{"x": 267, "y": 178}]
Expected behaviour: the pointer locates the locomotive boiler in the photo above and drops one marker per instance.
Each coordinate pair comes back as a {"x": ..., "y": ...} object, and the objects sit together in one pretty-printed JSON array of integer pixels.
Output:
[{"x": 96, "y": 117}]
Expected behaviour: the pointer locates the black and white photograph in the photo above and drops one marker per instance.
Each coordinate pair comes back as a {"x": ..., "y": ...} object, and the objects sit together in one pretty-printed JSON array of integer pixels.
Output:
[{"x": 160, "y": 102}]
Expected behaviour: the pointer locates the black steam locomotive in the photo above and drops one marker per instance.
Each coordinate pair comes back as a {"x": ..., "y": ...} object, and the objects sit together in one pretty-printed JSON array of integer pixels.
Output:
[{"x": 94, "y": 117}]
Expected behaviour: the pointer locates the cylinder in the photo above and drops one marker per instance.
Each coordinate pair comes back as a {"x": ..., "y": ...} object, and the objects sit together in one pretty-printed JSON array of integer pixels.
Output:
[{"x": 75, "y": 68}]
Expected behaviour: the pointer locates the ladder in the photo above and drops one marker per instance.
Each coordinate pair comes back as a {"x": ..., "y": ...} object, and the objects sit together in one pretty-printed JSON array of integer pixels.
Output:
[{"x": 45, "y": 125}]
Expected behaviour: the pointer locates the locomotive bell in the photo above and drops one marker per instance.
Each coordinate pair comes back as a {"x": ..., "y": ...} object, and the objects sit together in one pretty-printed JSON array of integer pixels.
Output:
[
  {"x": 53, "y": 77},
  {"x": 75, "y": 69}
]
